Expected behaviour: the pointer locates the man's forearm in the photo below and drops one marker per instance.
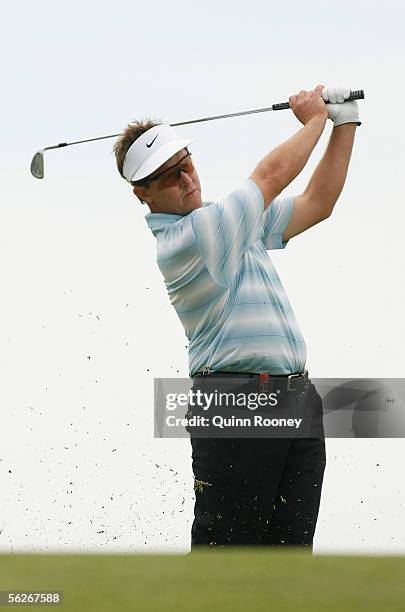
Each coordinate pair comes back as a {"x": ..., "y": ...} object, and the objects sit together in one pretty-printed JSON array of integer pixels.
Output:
[
  {"x": 287, "y": 160},
  {"x": 327, "y": 181}
]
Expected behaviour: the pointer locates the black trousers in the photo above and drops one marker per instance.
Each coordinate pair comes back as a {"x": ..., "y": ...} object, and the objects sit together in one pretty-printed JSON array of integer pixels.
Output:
[{"x": 257, "y": 491}]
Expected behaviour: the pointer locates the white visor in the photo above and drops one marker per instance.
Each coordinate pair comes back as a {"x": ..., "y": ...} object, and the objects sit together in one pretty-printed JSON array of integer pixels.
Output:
[{"x": 151, "y": 150}]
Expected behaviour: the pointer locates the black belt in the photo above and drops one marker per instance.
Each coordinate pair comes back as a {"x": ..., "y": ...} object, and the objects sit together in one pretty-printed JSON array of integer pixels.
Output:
[{"x": 292, "y": 382}]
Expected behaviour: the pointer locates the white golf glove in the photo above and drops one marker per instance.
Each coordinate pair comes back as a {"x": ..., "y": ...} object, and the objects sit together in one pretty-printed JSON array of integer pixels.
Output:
[{"x": 339, "y": 111}]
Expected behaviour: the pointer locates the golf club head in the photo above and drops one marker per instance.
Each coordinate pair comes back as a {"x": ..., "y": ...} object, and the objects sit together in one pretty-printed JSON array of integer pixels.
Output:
[{"x": 37, "y": 165}]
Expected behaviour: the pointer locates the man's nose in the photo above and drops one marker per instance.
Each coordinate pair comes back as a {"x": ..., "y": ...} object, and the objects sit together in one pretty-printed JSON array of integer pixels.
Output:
[{"x": 185, "y": 178}]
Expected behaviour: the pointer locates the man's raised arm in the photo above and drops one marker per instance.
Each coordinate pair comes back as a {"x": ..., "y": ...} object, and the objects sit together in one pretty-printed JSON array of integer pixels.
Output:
[{"x": 282, "y": 165}]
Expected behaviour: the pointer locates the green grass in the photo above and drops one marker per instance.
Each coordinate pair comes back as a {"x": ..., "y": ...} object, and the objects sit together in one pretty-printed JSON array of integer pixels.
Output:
[{"x": 239, "y": 580}]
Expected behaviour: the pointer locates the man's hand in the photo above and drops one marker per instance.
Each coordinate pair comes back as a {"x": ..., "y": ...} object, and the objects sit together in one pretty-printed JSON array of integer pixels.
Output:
[
  {"x": 340, "y": 111},
  {"x": 309, "y": 104}
]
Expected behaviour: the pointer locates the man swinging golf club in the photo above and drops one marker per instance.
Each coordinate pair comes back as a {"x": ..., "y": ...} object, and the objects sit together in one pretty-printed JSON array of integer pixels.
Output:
[{"x": 236, "y": 315}]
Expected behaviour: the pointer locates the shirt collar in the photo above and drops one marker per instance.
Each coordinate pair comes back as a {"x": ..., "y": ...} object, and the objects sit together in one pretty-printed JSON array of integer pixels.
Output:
[{"x": 158, "y": 221}]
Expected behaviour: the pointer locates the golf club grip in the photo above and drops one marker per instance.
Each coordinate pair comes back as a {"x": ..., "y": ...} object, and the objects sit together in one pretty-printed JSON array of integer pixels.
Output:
[{"x": 354, "y": 95}]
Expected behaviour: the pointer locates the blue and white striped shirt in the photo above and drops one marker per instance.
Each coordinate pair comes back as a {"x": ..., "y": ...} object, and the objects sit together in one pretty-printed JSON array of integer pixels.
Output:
[{"x": 224, "y": 287}]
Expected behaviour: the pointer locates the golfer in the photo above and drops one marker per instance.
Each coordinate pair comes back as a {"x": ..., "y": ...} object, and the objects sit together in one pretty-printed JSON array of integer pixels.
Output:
[{"x": 236, "y": 314}]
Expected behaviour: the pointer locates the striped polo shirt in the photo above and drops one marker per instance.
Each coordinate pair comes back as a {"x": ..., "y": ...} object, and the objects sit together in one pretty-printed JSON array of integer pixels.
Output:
[{"x": 224, "y": 287}]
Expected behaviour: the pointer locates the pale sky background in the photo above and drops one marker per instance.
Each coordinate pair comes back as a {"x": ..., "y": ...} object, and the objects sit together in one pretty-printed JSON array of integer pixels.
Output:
[{"x": 85, "y": 320}]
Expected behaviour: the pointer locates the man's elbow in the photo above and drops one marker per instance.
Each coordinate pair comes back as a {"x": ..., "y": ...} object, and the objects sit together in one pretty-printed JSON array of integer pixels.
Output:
[
  {"x": 327, "y": 212},
  {"x": 325, "y": 209},
  {"x": 269, "y": 184}
]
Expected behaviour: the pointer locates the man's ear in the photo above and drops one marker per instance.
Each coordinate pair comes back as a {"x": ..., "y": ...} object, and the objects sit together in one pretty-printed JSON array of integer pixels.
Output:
[{"x": 141, "y": 193}]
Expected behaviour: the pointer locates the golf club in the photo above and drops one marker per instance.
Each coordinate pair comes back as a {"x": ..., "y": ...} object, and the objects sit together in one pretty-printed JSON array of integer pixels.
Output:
[{"x": 37, "y": 163}]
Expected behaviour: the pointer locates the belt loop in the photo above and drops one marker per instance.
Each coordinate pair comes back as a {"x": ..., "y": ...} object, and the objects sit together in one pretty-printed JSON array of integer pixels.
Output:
[{"x": 264, "y": 382}]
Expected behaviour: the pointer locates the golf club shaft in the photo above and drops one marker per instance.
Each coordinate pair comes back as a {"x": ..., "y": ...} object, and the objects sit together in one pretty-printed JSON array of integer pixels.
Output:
[
  {"x": 354, "y": 95},
  {"x": 37, "y": 163}
]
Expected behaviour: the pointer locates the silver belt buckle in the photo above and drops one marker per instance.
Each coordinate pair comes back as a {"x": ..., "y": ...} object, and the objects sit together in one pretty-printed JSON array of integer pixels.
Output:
[{"x": 303, "y": 374}]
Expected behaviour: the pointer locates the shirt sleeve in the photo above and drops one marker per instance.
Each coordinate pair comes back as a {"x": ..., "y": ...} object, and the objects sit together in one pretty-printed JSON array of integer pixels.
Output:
[
  {"x": 225, "y": 230},
  {"x": 275, "y": 220}
]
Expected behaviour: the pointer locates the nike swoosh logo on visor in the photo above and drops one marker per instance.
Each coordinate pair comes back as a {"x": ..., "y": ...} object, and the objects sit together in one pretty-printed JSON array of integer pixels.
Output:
[{"x": 149, "y": 145}]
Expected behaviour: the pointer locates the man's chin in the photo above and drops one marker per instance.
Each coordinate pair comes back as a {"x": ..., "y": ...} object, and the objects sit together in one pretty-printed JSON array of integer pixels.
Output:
[{"x": 193, "y": 201}]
